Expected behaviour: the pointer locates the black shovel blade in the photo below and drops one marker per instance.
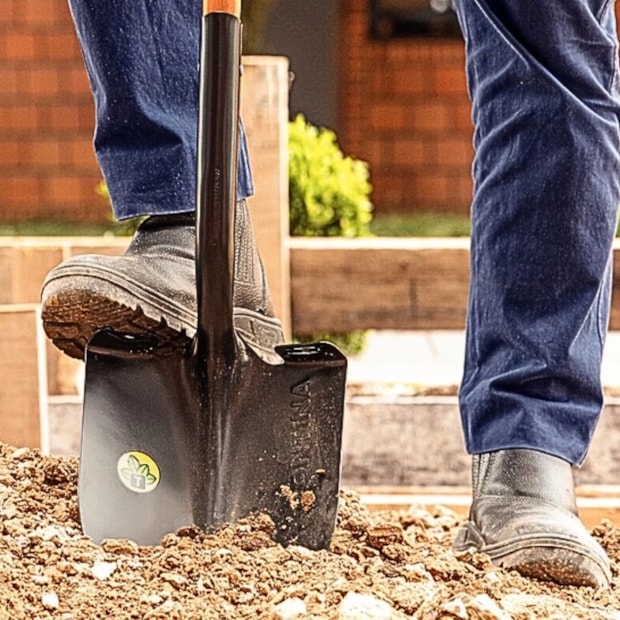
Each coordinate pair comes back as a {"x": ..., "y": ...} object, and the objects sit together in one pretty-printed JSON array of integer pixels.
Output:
[
  {"x": 167, "y": 445},
  {"x": 137, "y": 460},
  {"x": 275, "y": 442}
]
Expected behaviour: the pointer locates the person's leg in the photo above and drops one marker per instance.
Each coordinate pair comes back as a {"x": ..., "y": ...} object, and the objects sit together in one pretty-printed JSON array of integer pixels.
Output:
[
  {"x": 543, "y": 82},
  {"x": 142, "y": 61},
  {"x": 142, "y": 57}
]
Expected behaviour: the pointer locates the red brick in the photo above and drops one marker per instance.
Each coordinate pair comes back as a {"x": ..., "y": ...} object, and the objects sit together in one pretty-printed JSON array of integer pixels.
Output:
[
  {"x": 414, "y": 81},
  {"x": 18, "y": 46},
  {"x": 386, "y": 116},
  {"x": 20, "y": 190},
  {"x": 81, "y": 155},
  {"x": 74, "y": 82},
  {"x": 10, "y": 81},
  {"x": 86, "y": 113},
  {"x": 460, "y": 113},
  {"x": 24, "y": 118},
  {"x": 455, "y": 152},
  {"x": 463, "y": 188},
  {"x": 430, "y": 116},
  {"x": 61, "y": 46},
  {"x": 64, "y": 189},
  {"x": 7, "y": 15},
  {"x": 414, "y": 151},
  {"x": 10, "y": 153},
  {"x": 63, "y": 117},
  {"x": 43, "y": 153},
  {"x": 449, "y": 81},
  {"x": 431, "y": 188},
  {"x": 38, "y": 13},
  {"x": 39, "y": 82}
]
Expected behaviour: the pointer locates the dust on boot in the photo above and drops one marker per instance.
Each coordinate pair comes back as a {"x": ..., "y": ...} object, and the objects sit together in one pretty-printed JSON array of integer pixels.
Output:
[{"x": 524, "y": 517}]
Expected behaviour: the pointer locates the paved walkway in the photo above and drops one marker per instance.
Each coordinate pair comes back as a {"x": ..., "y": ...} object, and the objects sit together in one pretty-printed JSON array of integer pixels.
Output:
[{"x": 435, "y": 358}]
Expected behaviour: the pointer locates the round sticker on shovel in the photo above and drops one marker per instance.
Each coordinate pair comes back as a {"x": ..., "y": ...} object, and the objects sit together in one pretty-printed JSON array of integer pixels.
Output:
[{"x": 138, "y": 472}]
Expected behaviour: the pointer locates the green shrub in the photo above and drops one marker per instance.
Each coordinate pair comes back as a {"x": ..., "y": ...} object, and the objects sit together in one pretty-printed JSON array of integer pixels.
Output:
[
  {"x": 329, "y": 193},
  {"x": 329, "y": 196}
]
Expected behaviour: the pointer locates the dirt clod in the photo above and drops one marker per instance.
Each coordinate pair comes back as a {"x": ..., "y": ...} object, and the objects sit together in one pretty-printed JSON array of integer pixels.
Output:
[{"x": 391, "y": 565}]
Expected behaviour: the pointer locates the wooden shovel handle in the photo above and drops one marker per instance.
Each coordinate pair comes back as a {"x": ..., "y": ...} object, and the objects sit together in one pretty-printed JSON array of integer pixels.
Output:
[{"x": 232, "y": 7}]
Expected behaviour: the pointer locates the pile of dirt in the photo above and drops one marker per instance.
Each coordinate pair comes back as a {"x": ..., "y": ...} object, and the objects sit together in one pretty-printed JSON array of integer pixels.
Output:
[{"x": 384, "y": 565}]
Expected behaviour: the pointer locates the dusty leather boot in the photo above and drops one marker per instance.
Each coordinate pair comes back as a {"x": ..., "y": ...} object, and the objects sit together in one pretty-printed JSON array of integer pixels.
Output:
[
  {"x": 524, "y": 517},
  {"x": 152, "y": 289}
]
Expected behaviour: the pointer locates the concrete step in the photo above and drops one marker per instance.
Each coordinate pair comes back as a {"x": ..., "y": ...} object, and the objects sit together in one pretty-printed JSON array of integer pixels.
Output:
[{"x": 395, "y": 440}]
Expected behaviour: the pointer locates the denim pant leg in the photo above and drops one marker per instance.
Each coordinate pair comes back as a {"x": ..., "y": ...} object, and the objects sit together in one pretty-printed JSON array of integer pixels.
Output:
[
  {"x": 142, "y": 59},
  {"x": 542, "y": 78}
]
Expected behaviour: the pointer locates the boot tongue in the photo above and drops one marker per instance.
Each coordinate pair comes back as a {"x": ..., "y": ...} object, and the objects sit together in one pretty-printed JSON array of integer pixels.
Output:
[{"x": 526, "y": 473}]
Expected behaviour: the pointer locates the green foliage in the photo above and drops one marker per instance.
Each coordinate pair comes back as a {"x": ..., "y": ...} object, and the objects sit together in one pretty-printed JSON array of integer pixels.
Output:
[
  {"x": 329, "y": 195},
  {"x": 421, "y": 225},
  {"x": 329, "y": 192}
]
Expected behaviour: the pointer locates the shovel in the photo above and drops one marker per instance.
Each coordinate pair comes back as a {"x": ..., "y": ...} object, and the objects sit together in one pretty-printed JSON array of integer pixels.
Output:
[{"x": 217, "y": 433}]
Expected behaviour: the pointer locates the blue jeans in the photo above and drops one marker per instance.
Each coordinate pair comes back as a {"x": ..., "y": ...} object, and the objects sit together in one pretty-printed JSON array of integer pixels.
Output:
[
  {"x": 543, "y": 80},
  {"x": 142, "y": 59}
]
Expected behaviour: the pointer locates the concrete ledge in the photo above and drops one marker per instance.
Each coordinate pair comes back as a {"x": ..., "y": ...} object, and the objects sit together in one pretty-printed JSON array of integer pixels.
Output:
[
  {"x": 418, "y": 441},
  {"x": 395, "y": 442}
]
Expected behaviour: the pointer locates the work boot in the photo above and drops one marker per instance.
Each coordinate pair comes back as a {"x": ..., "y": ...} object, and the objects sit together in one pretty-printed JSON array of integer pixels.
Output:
[
  {"x": 151, "y": 289},
  {"x": 524, "y": 517}
]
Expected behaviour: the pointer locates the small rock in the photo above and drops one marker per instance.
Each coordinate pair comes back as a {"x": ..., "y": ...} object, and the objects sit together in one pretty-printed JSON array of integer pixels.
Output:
[
  {"x": 40, "y": 579},
  {"x": 481, "y": 607},
  {"x": 223, "y": 552},
  {"x": 456, "y": 608},
  {"x": 151, "y": 599},
  {"x": 289, "y": 609},
  {"x": 299, "y": 552},
  {"x": 103, "y": 570},
  {"x": 169, "y": 610},
  {"x": 120, "y": 547},
  {"x": 50, "y": 601},
  {"x": 487, "y": 608},
  {"x": 178, "y": 581},
  {"x": 50, "y": 532},
  {"x": 356, "y": 606},
  {"x": 379, "y": 537},
  {"x": 20, "y": 453},
  {"x": 492, "y": 577},
  {"x": 417, "y": 572}
]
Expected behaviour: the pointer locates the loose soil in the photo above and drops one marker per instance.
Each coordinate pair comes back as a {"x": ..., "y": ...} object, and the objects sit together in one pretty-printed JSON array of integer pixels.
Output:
[{"x": 381, "y": 565}]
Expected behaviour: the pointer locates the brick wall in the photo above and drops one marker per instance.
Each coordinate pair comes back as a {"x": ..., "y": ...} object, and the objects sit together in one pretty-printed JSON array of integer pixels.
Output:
[
  {"x": 402, "y": 106},
  {"x": 47, "y": 167},
  {"x": 404, "y": 109}
]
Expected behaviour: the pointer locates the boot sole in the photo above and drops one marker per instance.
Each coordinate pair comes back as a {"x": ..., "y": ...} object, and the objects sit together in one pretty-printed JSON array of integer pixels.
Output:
[
  {"x": 544, "y": 557},
  {"x": 71, "y": 316},
  {"x": 70, "y": 321}
]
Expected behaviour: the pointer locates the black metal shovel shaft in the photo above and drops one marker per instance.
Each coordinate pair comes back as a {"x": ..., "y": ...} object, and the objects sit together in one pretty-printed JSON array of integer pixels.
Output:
[
  {"x": 218, "y": 120},
  {"x": 216, "y": 184}
]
